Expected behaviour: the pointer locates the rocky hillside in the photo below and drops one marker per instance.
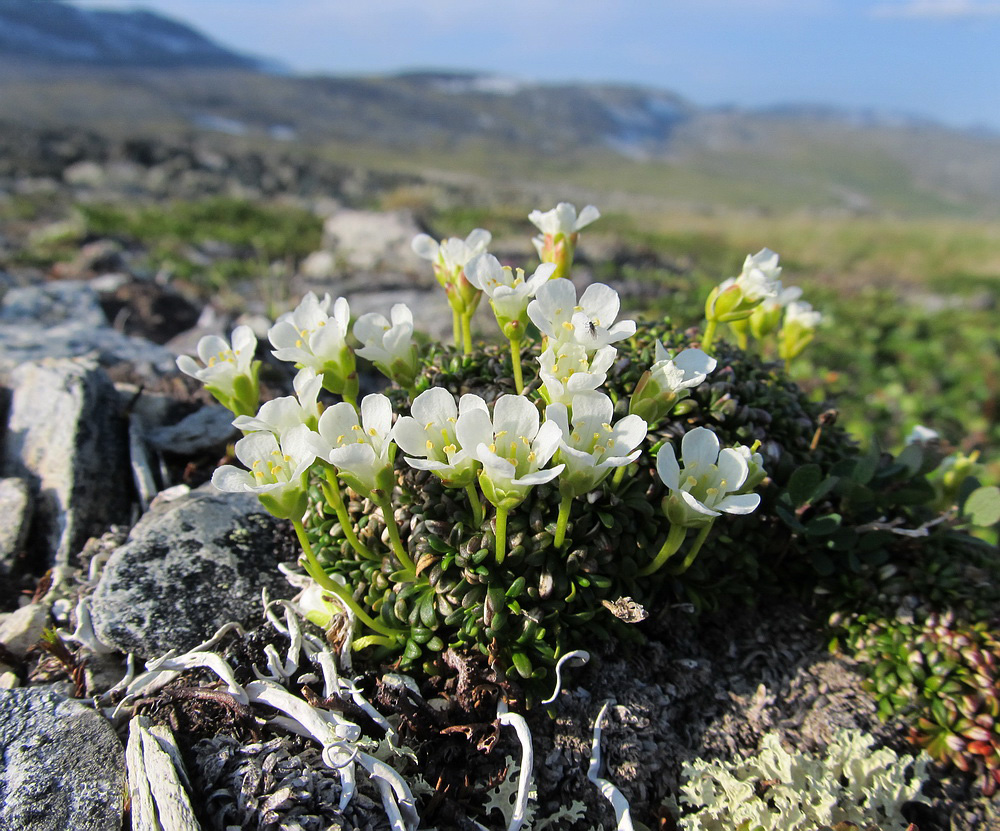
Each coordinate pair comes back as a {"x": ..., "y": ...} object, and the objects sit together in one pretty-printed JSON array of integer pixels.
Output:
[
  {"x": 53, "y": 32},
  {"x": 136, "y": 73}
]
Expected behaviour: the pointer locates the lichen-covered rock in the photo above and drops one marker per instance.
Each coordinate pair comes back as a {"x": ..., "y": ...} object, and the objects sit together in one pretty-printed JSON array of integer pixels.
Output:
[
  {"x": 65, "y": 436},
  {"x": 61, "y": 765},
  {"x": 189, "y": 567}
]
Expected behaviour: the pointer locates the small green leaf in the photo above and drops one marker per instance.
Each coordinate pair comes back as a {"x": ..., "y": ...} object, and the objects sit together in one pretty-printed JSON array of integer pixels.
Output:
[
  {"x": 803, "y": 483},
  {"x": 983, "y": 506},
  {"x": 522, "y": 663},
  {"x": 866, "y": 465},
  {"x": 823, "y": 526}
]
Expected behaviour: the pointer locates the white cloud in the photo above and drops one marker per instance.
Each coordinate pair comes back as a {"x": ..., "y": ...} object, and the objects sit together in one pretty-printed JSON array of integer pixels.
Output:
[{"x": 939, "y": 9}]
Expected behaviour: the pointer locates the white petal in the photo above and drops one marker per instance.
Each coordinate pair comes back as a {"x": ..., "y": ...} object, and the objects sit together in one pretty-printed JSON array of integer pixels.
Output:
[
  {"x": 699, "y": 446},
  {"x": 600, "y": 303},
  {"x": 232, "y": 479},
  {"x": 411, "y": 436},
  {"x": 695, "y": 505},
  {"x": 376, "y": 414},
  {"x": 733, "y": 468},
  {"x": 540, "y": 477},
  {"x": 587, "y": 215},
  {"x": 425, "y": 247},
  {"x": 667, "y": 468},
  {"x": 434, "y": 406},
  {"x": 739, "y": 503},
  {"x": 474, "y": 428},
  {"x": 515, "y": 414}
]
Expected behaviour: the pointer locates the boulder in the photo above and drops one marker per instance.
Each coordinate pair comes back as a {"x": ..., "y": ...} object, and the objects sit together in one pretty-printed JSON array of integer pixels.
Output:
[
  {"x": 371, "y": 240},
  {"x": 61, "y": 765},
  {"x": 190, "y": 566},
  {"x": 66, "y": 438}
]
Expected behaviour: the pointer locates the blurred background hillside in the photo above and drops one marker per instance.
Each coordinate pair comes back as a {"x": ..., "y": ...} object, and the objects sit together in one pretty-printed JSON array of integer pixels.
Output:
[{"x": 860, "y": 140}]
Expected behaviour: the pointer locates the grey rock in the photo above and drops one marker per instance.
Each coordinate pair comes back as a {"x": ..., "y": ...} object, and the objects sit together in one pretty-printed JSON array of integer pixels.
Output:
[
  {"x": 189, "y": 566},
  {"x": 66, "y": 438},
  {"x": 15, "y": 508},
  {"x": 61, "y": 765},
  {"x": 372, "y": 240},
  {"x": 200, "y": 431},
  {"x": 30, "y": 342},
  {"x": 21, "y": 630},
  {"x": 65, "y": 320},
  {"x": 53, "y": 303}
]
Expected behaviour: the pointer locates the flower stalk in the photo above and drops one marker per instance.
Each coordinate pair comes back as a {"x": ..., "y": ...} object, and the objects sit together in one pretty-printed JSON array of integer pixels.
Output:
[{"x": 316, "y": 571}]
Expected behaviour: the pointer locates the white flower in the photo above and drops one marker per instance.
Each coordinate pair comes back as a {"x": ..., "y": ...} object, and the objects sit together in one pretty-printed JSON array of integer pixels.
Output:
[
  {"x": 759, "y": 278},
  {"x": 511, "y": 447},
  {"x": 591, "y": 446},
  {"x": 567, "y": 370},
  {"x": 708, "y": 484},
  {"x": 562, "y": 219},
  {"x": 736, "y": 298},
  {"x": 560, "y": 225},
  {"x": 591, "y": 322},
  {"x": 451, "y": 254},
  {"x": 687, "y": 370},
  {"x": 277, "y": 471},
  {"x": 310, "y": 336},
  {"x": 280, "y": 415},
  {"x": 802, "y": 314},
  {"x": 359, "y": 449},
  {"x": 922, "y": 435},
  {"x": 429, "y": 436},
  {"x": 388, "y": 345},
  {"x": 229, "y": 372},
  {"x": 668, "y": 381},
  {"x": 508, "y": 290}
]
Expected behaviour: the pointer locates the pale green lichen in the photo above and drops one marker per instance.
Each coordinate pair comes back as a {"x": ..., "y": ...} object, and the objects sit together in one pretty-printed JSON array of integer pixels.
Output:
[{"x": 801, "y": 791}]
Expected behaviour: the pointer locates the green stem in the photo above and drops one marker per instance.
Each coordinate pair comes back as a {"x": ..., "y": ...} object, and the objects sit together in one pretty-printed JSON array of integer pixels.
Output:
[
  {"x": 501, "y": 535},
  {"x": 619, "y": 476},
  {"x": 467, "y": 333},
  {"x": 515, "y": 362},
  {"x": 709, "y": 336},
  {"x": 674, "y": 540},
  {"x": 742, "y": 341},
  {"x": 331, "y": 490},
  {"x": 564, "y": 508},
  {"x": 456, "y": 325},
  {"x": 397, "y": 544},
  {"x": 699, "y": 541},
  {"x": 477, "y": 506},
  {"x": 315, "y": 570}
]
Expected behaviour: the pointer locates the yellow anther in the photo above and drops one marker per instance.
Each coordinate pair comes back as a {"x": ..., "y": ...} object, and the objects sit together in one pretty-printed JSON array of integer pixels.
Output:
[
  {"x": 493, "y": 448},
  {"x": 531, "y": 456},
  {"x": 356, "y": 427},
  {"x": 567, "y": 325},
  {"x": 449, "y": 449},
  {"x": 372, "y": 432},
  {"x": 430, "y": 444},
  {"x": 340, "y": 438}
]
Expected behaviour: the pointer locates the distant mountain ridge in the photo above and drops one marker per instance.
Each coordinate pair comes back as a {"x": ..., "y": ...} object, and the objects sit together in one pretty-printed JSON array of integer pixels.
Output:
[
  {"x": 136, "y": 73},
  {"x": 52, "y": 31}
]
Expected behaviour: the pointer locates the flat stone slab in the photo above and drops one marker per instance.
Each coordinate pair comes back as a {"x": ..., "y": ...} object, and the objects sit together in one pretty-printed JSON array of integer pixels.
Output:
[
  {"x": 61, "y": 765},
  {"x": 190, "y": 566}
]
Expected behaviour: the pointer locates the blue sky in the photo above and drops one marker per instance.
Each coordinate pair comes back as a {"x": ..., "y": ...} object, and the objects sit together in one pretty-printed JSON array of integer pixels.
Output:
[{"x": 935, "y": 58}]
